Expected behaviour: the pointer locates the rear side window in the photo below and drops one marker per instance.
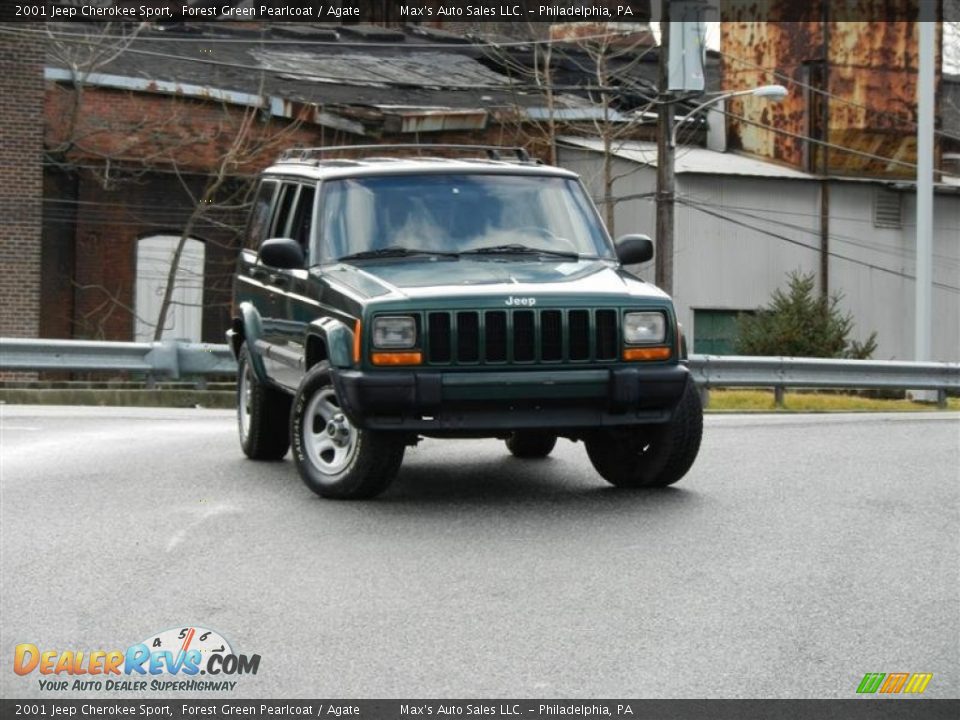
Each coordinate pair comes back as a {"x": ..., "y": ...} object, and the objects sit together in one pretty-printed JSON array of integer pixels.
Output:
[{"x": 260, "y": 214}]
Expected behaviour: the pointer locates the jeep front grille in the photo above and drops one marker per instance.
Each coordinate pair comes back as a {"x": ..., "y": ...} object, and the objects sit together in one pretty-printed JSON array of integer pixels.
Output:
[{"x": 521, "y": 336}]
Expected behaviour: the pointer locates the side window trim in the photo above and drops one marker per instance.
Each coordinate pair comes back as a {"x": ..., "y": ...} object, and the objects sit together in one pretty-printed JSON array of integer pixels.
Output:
[
  {"x": 292, "y": 211},
  {"x": 314, "y": 256},
  {"x": 323, "y": 254},
  {"x": 295, "y": 225}
]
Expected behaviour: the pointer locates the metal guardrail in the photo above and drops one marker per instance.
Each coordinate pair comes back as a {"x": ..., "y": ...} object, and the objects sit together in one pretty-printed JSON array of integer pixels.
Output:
[
  {"x": 172, "y": 359},
  {"x": 739, "y": 371},
  {"x": 168, "y": 359},
  {"x": 779, "y": 373}
]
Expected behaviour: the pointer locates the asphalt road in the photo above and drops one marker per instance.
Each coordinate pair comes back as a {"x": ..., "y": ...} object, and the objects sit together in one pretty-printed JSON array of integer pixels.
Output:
[{"x": 800, "y": 553}]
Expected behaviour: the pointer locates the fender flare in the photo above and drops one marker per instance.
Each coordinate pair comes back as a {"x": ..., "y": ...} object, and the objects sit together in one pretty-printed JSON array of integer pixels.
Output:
[
  {"x": 247, "y": 328},
  {"x": 337, "y": 340}
]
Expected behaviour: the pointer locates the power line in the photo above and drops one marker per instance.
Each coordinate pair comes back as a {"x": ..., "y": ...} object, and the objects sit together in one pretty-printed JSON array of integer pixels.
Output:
[
  {"x": 830, "y": 145},
  {"x": 846, "y": 239},
  {"x": 701, "y": 206},
  {"x": 807, "y": 138},
  {"x": 84, "y": 39},
  {"x": 514, "y": 86},
  {"x": 508, "y": 86},
  {"x": 806, "y": 214},
  {"x": 799, "y": 243},
  {"x": 832, "y": 96},
  {"x": 481, "y": 44}
]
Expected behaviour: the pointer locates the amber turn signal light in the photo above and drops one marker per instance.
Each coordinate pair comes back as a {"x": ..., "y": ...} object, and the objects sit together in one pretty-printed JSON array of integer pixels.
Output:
[
  {"x": 396, "y": 358},
  {"x": 646, "y": 353},
  {"x": 356, "y": 341}
]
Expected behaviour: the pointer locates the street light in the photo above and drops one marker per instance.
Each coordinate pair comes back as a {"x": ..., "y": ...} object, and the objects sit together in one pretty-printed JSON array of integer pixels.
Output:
[
  {"x": 667, "y": 130},
  {"x": 772, "y": 92}
]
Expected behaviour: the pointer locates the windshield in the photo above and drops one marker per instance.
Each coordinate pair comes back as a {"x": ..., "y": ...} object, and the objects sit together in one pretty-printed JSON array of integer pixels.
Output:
[{"x": 458, "y": 213}]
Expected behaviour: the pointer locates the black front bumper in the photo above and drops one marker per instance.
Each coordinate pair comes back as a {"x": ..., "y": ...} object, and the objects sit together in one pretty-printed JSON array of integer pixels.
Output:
[{"x": 501, "y": 401}]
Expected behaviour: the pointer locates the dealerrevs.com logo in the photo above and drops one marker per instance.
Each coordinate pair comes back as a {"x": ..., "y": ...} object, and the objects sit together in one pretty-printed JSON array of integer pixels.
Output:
[{"x": 167, "y": 661}]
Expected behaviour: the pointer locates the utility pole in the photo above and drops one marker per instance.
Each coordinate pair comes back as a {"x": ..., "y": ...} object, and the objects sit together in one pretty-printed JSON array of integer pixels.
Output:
[
  {"x": 824, "y": 158},
  {"x": 925, "y": 119},
  {"x": 665, "y": 177}
]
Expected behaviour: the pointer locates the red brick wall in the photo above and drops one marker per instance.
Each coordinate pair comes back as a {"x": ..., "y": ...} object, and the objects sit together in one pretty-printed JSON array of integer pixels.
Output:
[
  {"x": 156, "y": 130},
  {"x": 109, "y": 223},
  {"x": 143, "y": 134},
  {"x": 21, "y": 184}
]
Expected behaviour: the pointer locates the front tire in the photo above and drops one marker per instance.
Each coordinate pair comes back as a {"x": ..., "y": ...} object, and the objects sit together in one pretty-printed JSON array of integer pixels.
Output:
[
  {"x": 650, "y": 455},
  {"x": 263, "y": 413},
  {"x": 335, "y": 458},
  {"x": 531, "y": 444}
]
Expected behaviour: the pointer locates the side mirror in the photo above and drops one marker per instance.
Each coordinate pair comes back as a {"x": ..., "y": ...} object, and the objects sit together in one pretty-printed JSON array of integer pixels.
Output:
[
  {"x": 634, "y": 249},
  {"x": 282, "y": 253}
]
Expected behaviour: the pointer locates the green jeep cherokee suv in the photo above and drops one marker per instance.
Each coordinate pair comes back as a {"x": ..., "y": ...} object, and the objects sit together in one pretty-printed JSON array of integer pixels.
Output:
[{"x": 380, "y": 300}]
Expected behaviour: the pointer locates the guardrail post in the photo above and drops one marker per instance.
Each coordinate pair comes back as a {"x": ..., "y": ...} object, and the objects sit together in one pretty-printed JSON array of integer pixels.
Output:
[
  {"x": 778, "y": 392},
  {"x": 942, "y": 398},
  {"x": 704, "y": 395},
  {"x": 164, "y": 360}
]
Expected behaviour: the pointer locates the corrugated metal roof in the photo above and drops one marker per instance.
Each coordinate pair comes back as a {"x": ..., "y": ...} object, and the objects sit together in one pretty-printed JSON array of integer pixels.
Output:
[
  {"x": 574, "y": 114},
  {"x": 692, "y": 159}
]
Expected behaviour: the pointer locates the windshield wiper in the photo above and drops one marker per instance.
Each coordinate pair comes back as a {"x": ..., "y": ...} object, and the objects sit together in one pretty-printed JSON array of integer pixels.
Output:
[
  {"x": 517, "y": 249},
  {"x": 396, "y": 251}
]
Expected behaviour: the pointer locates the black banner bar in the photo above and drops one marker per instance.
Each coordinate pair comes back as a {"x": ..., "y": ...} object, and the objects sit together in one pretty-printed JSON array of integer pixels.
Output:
[
  {"x": 432, "y": 11},
  {"x": 854, "y": 709}
]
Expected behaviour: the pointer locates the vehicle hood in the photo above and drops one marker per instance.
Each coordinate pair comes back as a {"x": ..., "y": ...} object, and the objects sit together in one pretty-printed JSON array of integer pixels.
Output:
[{"x": 430, "y": 278}]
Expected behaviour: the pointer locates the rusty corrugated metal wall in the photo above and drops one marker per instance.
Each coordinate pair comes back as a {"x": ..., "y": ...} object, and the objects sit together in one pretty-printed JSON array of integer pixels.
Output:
[{"x": 860, "y": 65}]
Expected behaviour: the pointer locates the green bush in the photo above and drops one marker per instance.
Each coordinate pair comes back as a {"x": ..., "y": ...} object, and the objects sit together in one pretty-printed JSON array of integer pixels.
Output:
[{"x": 801, "y": 323}]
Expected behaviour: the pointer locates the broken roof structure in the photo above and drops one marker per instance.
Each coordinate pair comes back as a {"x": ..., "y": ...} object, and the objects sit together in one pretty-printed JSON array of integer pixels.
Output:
[{"x": 364, "y": 80}]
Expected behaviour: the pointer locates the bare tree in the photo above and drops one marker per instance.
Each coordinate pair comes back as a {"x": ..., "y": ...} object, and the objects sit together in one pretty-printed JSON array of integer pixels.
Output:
[
  {"x": 249, "y": 144},
  {"x": 90, "y": 48},
  {"x": 127, "y": 146},
  {"x": 951, "y": 45},
  {"x": 607, "y": 63},
  {"x": 613, "y": 67}
]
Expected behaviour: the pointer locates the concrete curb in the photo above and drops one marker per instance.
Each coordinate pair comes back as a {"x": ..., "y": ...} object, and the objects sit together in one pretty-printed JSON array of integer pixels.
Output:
[{"x": 121, "y": 398}]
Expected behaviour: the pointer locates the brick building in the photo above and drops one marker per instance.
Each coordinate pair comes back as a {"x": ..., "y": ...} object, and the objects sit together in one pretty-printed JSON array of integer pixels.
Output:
[
  {"x": 122, "y": 137},
  {"x": 98, "y": 157},
  {"x": 21, "y": 188}
]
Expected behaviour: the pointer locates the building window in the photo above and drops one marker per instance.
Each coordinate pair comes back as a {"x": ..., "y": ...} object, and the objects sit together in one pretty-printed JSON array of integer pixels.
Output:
[
  {"x": 887, "y": 209},
  {"x": 715, "y": 331}
]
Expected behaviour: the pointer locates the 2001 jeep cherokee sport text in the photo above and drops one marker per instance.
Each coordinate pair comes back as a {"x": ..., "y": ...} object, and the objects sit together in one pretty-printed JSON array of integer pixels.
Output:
[{"x": 386, "y": 299}]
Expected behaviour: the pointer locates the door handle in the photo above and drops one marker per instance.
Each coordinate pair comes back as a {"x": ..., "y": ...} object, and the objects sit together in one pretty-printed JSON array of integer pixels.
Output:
[
  {"x": 259, "y": 274},
  {"x": 281, "y": 281}
]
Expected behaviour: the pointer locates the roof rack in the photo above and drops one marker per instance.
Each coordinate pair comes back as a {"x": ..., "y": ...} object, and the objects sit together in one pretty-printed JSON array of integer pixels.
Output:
[{"x": 490, "y": 152}]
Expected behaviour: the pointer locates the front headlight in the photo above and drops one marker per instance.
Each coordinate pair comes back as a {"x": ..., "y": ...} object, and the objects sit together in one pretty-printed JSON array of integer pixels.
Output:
[
  {"x": 642, "y": 328},
  {"x": 394, "y": 332}
]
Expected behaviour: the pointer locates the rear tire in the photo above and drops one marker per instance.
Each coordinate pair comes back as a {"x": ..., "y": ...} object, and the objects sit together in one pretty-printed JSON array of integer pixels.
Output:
[
  {"x": 263, "y": 413},
  {"x": 335, "y": 458},
  {"x": 650, "y": 455},
  {"x": 531, "y": 444}
]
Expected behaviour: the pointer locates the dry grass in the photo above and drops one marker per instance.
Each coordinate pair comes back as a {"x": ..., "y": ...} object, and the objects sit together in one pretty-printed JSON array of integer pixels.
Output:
[{"x": 739, "y": 400}]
